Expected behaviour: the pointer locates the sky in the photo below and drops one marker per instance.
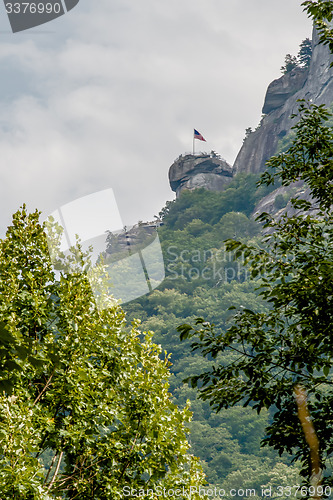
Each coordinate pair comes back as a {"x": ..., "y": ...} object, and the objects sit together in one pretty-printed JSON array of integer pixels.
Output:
[{"x": 107, "y": 96}]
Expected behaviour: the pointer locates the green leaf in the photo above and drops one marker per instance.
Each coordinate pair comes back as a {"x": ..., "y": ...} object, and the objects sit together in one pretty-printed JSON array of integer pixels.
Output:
[{"x": 326, "y": 370}]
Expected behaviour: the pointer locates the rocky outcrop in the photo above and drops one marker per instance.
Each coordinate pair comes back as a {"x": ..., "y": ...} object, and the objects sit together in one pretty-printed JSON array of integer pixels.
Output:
[
  {"x": 271, "y": 203},
  {"x": 281, "y": 101},
  {"x": 280, "y": 90},
  {"x": 315, "y": 84},
  {"x": 277, "y": 203},
  {"x": 130, "y": 239},
  {"x": 202, "y": 170}
]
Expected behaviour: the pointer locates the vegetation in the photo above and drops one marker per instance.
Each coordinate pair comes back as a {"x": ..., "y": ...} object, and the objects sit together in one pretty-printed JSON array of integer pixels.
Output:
[
  {"x": 305, "y": 53},
  {"x": 209, "y": 206},
  {"x": 84, "y": 408},
  {"x": 290, "y": 344},
  {"x": 290, "y": 63},
  {"x": 302, "y": 60},
  {"x": 201, "y": 279},
  {"x": 322, "y": 14},
  {"x": 84, "y": 404}
]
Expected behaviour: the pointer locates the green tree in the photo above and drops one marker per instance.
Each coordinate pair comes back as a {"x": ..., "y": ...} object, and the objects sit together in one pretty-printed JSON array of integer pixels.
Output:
[
  {"x": 290, "y": 63},
  {"x": 305, "y": 53},
  {"x": 84, "y": 408},
  {"x": 321, "y": 11},
  {"x": 292, "y": 342}
]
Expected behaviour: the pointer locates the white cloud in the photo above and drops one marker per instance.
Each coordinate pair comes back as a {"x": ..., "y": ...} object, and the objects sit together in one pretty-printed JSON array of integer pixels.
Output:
[{"x": 111, "y": 97}]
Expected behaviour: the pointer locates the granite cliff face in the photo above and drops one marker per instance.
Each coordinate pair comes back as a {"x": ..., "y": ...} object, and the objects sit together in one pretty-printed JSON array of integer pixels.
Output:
[
  {"x": 213, "y": 173},
  {"x": 202, "y": 170},
  {"x": 286, "y": 86},
  {"x": 315, "y": 83}
]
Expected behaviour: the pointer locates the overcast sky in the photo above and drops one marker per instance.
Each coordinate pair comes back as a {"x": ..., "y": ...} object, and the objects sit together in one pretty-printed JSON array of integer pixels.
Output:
[{"x": 107, "y": 96}]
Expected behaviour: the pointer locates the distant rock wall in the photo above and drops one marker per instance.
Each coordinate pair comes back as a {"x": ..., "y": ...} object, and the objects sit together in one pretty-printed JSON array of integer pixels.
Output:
[
  {"x": 211, "y": 172},
  {"x": 203, "y": 170},
  {"x": 280, "y": 90},
  {"x": 315, "y": 83}
]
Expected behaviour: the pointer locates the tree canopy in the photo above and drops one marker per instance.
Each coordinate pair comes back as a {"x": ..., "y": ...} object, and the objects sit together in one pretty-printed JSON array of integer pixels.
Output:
[
  {"x": 290, "y": 62},
  {"x": 84, "y": 408},
  {"x": 291, "y": 343},
  {"x": 202, "y": 280},
  {"x": 321, "y": 12},
  {"x": 302, "y": 60},
  {"x": 305, "y": 53}
]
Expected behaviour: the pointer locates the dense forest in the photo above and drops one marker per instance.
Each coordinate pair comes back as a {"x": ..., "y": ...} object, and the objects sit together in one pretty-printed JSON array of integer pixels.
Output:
[
  {"x": 275, "y": 272},
  {"x": 202, "y": 279}
]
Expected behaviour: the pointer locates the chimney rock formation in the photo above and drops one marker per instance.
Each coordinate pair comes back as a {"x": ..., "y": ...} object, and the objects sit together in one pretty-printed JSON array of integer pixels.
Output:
[{"x": 202, "y": 170}]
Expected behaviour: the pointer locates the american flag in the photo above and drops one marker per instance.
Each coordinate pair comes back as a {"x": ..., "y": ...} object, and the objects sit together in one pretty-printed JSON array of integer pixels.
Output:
[{"x": 197, "y": 135}]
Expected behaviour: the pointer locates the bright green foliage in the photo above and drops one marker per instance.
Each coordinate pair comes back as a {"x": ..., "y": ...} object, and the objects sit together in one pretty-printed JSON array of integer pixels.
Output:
[
  {"x": 85, "y": 408},
  {"x": 292, "y": 342}
]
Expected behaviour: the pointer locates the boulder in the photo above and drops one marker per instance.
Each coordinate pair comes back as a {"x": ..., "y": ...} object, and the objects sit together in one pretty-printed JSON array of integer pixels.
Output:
[
  {"x": 208, "y": 171},
  {"x": 280, "y": 90}
]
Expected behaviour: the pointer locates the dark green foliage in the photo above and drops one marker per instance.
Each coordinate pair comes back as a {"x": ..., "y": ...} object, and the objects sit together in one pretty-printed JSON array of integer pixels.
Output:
[
  {"x": 291, "y": 343},
  {"x": 201, "y": 279},
  {"x": 305, "y": 53},
  {"x": 310, "y": 156},
  {"x": 240, "y": 195},
  {"x": 248, "y": 132},
  {"x": 229, "y": 442},
  {"x": 287, "y": 141},
  {"x": 194, "y": 256},
  {"x": 321, "y": 11},
  {"x": 290, "y": 63},
  {"x": 302, "y": 60}
]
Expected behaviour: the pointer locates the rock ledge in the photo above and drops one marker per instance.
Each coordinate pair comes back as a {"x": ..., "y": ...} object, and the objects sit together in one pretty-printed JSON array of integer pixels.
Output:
[{"x": 203, "y": 170}]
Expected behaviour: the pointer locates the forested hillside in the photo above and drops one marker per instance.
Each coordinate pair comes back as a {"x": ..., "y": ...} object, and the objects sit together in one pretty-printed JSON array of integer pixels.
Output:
[
  {"x": 217, "y": 375},
  {"x": 203, "y": 280}
]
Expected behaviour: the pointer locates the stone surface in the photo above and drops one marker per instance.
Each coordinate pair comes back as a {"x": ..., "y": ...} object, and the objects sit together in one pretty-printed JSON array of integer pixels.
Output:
[
  {"x": 211, "y": 172},
  {"x": 202, "y": 170},
  {"x": 281, "y": 103},
  {"x": 296, "y": 190},
  {"x": 280, "y": 90},
  {"x": 268, "y": 203}
]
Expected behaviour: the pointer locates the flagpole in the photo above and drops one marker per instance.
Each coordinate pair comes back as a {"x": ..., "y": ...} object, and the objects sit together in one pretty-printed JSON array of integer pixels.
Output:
[{"x": 197, "y": 135}]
